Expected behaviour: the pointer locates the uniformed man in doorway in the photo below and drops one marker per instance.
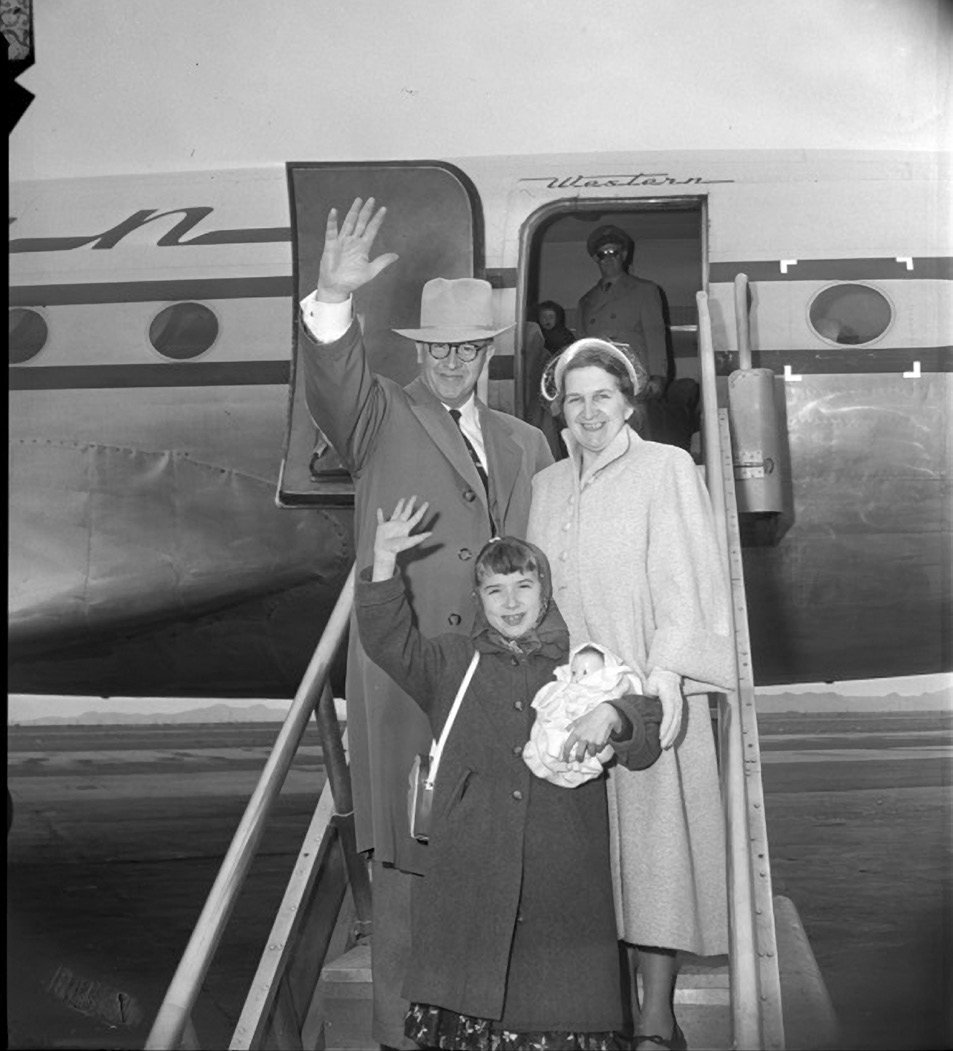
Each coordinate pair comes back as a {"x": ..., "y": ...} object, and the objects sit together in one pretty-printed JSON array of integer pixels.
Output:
[
  {"x": 624, "y": 308},
  {"x": 628, "y": 309}
]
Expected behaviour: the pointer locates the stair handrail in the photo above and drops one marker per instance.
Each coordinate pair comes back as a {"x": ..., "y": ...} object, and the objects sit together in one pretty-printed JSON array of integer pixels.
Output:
[
  {"x": 743, "y": 947},
  {"x": 174, "y": 1014}
]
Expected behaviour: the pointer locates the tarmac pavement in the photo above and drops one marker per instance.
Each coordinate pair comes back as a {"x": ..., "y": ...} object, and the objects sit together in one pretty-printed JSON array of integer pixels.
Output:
[{"x": 119, "y": 831}]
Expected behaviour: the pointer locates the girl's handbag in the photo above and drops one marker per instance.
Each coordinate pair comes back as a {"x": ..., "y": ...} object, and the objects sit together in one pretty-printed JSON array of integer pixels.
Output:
[{"x": 423, "y": 774}]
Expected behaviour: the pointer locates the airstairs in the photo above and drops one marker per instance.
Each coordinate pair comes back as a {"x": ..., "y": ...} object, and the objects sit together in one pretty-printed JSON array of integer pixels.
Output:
[{"x": 312, "y": 988}]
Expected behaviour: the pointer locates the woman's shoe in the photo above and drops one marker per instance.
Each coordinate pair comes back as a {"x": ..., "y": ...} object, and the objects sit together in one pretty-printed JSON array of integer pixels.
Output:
[{"x": 676, "y": 1042}]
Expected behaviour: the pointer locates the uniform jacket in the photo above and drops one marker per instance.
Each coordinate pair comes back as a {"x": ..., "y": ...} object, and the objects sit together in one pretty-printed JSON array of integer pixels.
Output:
[
  {"x": 513, "y": 919},
  {"x": 630, "y": 312},
  {"x": 397, "y": 442},
  {"x": 637, "y": 568}
]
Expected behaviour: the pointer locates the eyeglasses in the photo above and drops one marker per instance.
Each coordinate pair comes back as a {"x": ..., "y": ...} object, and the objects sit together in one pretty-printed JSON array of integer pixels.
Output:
[
  {"x": 607, "y": 252},
  {"x": 466, "y": 352}
]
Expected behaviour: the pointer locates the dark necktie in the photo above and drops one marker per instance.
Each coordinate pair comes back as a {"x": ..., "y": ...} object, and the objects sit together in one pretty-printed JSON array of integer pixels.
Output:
[{"x": 474, "y": 456}]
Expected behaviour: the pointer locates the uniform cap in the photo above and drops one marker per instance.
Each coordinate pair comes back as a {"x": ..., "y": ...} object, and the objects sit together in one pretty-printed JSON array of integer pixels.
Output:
[{"x": 609, "y": 234}]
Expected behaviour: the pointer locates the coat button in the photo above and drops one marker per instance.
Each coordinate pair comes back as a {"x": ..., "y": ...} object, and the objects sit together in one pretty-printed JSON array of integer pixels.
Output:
[
  {"x": 515, "y": 661},
  {"x": 464, "y": 554},
  {"x": 517, "y": 794},
  {"x": 518, "y": 705},
  {"x": 564, "y": 556},
  {"x": 454, "y": 619},
  {"x": 517, "y": 749},
  {"x": 519, "y": 917},
  {"x": 612, "y": 316},
  {"x": 469, "y": 495}
]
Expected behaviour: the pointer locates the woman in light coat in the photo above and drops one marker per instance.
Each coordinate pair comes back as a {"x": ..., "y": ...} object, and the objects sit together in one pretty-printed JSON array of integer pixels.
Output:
[{"x": 627, "y": 527}]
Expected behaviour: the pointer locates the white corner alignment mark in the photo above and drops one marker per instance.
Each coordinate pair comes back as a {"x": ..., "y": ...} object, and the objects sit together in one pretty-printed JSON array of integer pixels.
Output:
[
  {"x": 790, "y": 377},
  {"x": 907, "y": 260},
  {"x": 785, "y": 263},
  {"x": 914, "y": 374}
]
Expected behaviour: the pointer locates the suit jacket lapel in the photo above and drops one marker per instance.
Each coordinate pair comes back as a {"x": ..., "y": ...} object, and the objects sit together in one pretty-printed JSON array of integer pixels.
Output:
[
  {"x": 504, "y": 459},
  {"x": 603, "y": 300},
  {"x": 443, "y": 432},
  {"x": 621, "y": 289}
]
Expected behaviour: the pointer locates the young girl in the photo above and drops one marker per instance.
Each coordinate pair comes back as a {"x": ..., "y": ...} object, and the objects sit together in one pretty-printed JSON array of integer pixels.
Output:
[{"x": 513, "y": 929}]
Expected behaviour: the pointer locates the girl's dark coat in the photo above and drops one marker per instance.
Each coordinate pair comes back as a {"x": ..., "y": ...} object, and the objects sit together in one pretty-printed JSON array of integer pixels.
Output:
[{"x": 514, "y": 918}]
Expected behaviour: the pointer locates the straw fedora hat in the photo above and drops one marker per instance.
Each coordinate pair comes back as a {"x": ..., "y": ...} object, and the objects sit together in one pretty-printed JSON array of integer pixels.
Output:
[{"x": 455, "y": 311}]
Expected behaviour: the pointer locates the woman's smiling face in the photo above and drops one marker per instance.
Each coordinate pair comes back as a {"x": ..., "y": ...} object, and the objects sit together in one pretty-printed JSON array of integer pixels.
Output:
[{"x": 594, "y": 407}]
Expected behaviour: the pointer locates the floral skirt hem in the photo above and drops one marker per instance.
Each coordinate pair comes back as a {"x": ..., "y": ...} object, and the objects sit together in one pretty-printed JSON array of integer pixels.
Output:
[{"x": 436, "y": 1027}]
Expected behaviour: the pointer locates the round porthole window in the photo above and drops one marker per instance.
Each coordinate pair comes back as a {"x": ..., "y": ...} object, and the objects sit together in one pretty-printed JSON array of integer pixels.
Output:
[
  {"x": 850, "y": 314},
  {"x": 183, "y": 331},
  {"x": 28, "y": 334}
]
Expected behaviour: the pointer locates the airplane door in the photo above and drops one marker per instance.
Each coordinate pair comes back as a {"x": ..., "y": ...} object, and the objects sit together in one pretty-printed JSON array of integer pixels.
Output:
[{"x": 435, "y": 224}]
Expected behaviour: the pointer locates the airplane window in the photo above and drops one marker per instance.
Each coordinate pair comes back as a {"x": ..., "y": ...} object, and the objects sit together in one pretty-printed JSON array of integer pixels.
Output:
[
  {"x": 183, "y": 331},
  {"x": 850, "y": 314},
  {"x": 28, "y": 334}
]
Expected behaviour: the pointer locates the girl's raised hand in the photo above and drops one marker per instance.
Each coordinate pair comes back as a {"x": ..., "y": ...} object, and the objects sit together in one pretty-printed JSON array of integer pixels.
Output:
[{"x": 394, "y": 535}]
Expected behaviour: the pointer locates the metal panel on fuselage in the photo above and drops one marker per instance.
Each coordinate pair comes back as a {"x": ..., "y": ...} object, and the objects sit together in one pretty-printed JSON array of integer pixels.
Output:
[{"x": 858, "y": 584}]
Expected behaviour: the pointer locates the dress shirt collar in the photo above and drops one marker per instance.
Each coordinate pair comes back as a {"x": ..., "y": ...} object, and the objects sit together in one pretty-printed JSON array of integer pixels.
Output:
[{"x": 468, "y": 413}]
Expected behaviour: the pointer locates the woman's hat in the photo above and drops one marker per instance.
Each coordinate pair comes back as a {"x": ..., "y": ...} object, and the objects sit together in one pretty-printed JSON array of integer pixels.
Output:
[
  {"x": 455, "y": 310},
  {"x": 609, "y": 234},
  {"x": 617, "y": 350}
]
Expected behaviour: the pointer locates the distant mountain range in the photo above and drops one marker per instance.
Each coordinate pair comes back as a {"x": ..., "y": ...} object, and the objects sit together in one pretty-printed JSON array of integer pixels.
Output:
[
  {"x": 216, "y": 713},
  {"x": 813, "y": 703},
  {"x": 941, "y": 700}
]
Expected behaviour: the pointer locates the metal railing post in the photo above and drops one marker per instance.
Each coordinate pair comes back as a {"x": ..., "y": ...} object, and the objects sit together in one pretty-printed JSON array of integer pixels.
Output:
[
  {"x": 745, "y": 1002},
  {"x": 335, "y": 763},
  {"x": 742, "y": 321},
  {"x": 175, "y": 1011}
]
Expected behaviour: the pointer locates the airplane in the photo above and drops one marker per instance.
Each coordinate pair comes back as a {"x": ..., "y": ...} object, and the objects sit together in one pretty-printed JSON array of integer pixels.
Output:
[{"x": 178, "y": 526}]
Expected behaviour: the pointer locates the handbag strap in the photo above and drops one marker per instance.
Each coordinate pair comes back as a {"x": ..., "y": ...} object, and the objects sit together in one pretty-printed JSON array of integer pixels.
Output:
[{"x": 436, "y": 749}]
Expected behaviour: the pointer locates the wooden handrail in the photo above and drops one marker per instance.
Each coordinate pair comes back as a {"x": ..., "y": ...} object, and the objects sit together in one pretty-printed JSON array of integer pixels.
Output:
[
  {"x": 174, "y": 1014},
  {"x": 743, "y": 952}
]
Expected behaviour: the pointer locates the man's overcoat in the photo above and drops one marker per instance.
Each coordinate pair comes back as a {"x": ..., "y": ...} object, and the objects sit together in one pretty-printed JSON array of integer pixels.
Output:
[
  {"x": 399, "y": 442},
  {"x": 636, "y": 567},
  {"x": 629, "y": 312}
]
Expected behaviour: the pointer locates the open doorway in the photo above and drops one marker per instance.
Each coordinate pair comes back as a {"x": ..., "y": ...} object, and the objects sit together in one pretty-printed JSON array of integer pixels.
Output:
[{"x": 668, "y": 249}]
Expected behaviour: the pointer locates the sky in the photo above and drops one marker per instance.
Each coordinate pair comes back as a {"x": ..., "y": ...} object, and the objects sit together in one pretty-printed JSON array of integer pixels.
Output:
[{"x": 175, "y": 85}]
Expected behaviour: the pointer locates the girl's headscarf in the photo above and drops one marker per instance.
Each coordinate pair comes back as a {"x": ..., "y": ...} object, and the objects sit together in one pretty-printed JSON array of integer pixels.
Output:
[{"x": 506, "y": 555}]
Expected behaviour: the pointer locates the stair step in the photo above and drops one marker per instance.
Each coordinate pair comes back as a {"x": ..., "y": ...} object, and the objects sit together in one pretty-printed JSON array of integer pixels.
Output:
[
  {"x": 702, "y": 1001},
  {"x": 353, "y": 966},
  {"x": 346, "y": 1000}
]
